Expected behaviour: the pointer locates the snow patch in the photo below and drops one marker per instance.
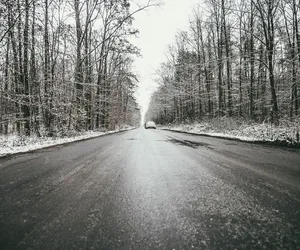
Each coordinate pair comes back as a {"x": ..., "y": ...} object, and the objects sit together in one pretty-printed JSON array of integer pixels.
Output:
[
  {"x": 286, "y": 132},
  {"x": 12, "y": 144}
]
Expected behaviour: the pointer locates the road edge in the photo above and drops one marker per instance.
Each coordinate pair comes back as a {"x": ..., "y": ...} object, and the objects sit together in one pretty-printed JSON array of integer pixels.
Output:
[
  {"x": 9, "y": 155},
  {"x": 277, "y": 143}
]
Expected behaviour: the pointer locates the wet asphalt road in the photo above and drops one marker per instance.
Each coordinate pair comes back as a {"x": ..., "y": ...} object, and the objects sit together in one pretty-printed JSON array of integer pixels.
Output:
[{"x": 151, "y": 189}]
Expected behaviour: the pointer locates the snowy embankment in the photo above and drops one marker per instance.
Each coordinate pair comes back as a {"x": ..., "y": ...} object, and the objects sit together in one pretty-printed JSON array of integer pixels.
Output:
[
  {"x": 12, "y": 144},
  {"x": 287, "y": 133}
]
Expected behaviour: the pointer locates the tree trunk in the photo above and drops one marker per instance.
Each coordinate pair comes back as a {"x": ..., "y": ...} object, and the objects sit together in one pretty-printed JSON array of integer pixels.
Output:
[
  {"x": 25, "y": 106},
  {"x": 228, "y": 59},
  {"x": 47, "y": 82},
  {"x": 252, "y": 60}
]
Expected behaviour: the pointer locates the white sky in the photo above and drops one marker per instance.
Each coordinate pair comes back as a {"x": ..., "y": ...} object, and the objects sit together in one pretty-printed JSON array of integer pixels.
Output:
[{"x": 157, "y": 26}]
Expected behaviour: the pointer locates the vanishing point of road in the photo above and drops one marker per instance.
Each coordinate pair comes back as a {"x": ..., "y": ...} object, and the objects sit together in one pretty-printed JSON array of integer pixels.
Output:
[{"x": 151, "y": 189}]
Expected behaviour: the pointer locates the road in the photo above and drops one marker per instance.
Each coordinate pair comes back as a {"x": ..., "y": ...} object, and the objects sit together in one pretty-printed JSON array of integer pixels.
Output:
[{"x": 151, "y": 189}]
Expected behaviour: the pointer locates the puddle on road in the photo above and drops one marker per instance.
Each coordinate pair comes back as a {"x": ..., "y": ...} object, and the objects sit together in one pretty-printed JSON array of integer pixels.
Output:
[
  {"x": 191, "y": 144},
  {"x": 187, "y": 143}
]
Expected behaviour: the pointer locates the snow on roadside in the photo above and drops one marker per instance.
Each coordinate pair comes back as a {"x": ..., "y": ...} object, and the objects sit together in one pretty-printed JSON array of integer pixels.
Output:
[
  {"x": 12, "y": 144},
  {"x": 286, "y": 132}
]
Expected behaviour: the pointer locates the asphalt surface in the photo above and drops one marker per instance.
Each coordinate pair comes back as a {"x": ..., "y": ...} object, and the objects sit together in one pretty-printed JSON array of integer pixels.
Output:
[{"x": 151, "y": 189}]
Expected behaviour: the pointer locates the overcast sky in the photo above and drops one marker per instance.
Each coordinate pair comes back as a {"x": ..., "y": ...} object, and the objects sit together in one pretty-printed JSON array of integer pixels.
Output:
[{"x": 157, "y": 27}]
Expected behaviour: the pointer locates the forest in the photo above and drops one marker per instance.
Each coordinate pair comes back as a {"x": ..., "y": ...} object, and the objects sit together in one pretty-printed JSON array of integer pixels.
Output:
[
  {"x": 238, "y": 59},
  {"x": 67, "y": 66}
]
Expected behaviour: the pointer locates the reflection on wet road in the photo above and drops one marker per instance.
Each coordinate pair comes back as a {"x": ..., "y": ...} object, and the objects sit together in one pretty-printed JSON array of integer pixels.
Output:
[{"x": 151, "y": 189}]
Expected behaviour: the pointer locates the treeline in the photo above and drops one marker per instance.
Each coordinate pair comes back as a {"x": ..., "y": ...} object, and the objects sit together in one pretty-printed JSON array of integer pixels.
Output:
[
  {"x": 238, "y": 59},
  {"x": 66, "y": 65}
]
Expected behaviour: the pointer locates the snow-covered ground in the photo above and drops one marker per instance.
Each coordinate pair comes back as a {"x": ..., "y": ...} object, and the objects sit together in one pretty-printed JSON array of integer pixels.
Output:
[
  {"x": 12, "y": 144},
  {"x": 286, "y": 133}
]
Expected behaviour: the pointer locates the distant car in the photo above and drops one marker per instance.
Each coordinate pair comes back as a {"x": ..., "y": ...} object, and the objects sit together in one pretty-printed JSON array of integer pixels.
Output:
[{"x": 150, "y": 124}]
